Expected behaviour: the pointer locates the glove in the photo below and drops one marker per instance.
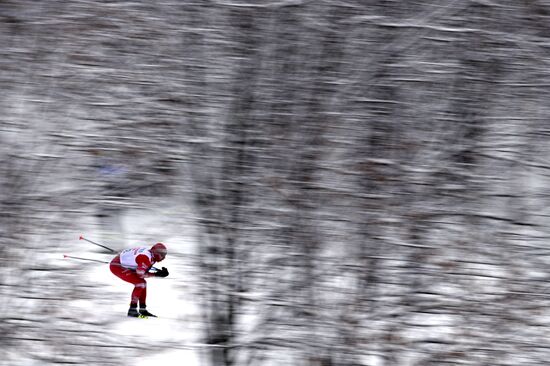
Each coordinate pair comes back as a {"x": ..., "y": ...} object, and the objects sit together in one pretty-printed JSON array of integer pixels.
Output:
[{"x": 162, "y": 272}]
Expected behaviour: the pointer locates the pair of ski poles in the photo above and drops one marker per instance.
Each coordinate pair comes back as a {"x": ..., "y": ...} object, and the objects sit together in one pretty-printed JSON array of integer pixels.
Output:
[{"x": 89, "y": 259}]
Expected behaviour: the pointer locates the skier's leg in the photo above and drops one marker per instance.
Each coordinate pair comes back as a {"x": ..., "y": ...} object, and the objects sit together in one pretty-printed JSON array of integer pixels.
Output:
[
  {"x": 143, "y": 305},
  {"x": 143, "y": 298},
  {"x": 140, "y": 293},
  {"x": 140, "y": 285}
]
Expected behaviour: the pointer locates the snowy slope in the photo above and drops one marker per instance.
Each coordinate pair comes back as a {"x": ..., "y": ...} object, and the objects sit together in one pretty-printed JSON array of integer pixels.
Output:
[{"x": 177, "y": 329}]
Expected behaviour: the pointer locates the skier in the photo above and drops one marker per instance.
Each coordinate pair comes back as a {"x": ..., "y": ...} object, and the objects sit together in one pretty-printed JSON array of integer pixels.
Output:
[{"x": 133, "y": 265}]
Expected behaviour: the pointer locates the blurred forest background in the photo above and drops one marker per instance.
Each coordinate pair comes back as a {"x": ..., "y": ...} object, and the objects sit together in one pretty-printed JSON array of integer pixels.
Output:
[{"x": 366, "y": 181}]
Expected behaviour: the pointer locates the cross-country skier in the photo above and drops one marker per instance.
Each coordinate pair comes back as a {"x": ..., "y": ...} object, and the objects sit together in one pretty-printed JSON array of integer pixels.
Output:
[{"x": 133, "y": 265}]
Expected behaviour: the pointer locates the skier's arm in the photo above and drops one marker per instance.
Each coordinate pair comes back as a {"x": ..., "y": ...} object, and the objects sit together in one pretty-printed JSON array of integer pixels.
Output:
[{"x": 143, "y": 265}]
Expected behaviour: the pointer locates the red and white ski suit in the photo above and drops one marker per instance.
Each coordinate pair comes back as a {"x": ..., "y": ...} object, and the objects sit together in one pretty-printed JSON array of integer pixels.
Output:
[{"x": 132, "y": 265}]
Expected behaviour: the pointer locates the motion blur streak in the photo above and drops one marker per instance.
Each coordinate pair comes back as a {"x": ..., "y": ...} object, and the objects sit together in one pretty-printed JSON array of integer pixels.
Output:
[{"x": 340, "y": 182}]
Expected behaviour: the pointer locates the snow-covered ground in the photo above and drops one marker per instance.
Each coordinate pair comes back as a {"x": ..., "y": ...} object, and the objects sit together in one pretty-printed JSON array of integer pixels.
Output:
[
  {"x": 176, "y": 326},
  {"x": 177, "y": 329}
]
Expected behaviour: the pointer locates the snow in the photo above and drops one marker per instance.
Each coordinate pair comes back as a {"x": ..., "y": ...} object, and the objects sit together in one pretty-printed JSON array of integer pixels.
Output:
[
  {"x": 172, "y": 306},
  {"x": 171, "y": 298},
  {"x": 181, "y": 357}
]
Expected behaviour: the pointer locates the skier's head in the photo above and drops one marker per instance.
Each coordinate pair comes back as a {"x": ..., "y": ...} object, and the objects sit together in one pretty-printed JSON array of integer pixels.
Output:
[{"x": 159, "y": 252}]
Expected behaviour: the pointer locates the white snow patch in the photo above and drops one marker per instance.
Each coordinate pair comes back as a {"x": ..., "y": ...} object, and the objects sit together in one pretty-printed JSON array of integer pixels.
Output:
[{"x": 177, "y": 357}]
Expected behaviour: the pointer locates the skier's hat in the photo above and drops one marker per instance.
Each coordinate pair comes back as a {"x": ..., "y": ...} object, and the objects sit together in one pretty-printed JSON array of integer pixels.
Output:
[{"x": 159, "y": 251}]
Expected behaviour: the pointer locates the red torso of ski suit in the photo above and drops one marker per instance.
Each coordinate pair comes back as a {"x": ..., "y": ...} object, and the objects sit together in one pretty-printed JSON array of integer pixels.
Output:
[{"x": 132, "y": 265}]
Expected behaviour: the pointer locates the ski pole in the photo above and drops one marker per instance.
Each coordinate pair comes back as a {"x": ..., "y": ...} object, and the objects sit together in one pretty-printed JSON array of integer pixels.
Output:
[
  {"x": 83, "y": 259},
  {"x": 93, "y": 242}
]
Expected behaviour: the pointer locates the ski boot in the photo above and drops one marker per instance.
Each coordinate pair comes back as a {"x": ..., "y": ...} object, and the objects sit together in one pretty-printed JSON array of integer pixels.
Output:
[
  {"x": 144, "y": 312},
  {"x": 133, "y": 312}
]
